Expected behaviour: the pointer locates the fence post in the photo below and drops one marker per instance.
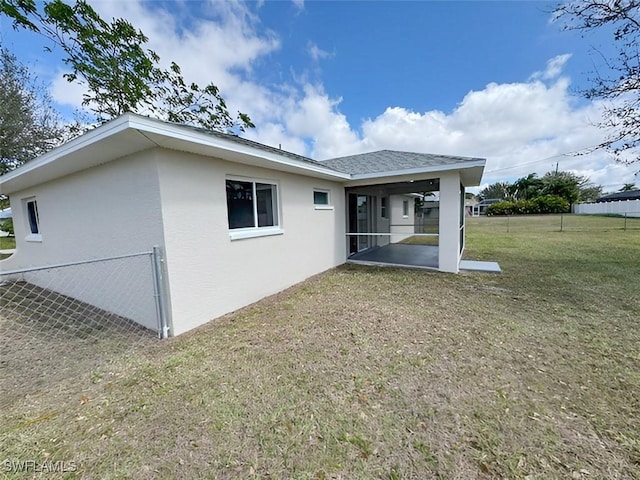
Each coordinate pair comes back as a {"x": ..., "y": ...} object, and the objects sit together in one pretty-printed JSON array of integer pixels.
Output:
[
  {"x": 508, "y": 217},
  {"x": 159, "y": 291},
  {"x": 561, "y": 222},
  {"x": 625, "y": 221}
]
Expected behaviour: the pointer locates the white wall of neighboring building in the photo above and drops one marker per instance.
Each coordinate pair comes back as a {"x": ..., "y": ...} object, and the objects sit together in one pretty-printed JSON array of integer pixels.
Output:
[
  {"x": 402, "y": 226},
  {"x": 209, "y": 273},
  {"x": 109, "y": 210}
]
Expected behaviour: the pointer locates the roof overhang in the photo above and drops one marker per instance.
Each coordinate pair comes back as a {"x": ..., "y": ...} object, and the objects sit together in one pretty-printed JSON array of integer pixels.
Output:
[
  {"x": 470, "y": 174},
  {"x": 130, "y": 134}
]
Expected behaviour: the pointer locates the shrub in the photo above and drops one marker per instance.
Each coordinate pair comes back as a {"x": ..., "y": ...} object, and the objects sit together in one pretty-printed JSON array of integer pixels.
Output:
[
  {"x": 542, "y": 204},
  {"x": 552, "y": 204},
  {"x": 7, "y": 226}
]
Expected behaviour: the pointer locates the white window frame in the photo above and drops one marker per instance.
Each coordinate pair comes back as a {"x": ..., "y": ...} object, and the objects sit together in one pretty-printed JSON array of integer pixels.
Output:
[
  {"x": 322, "y": 206},
  {"x": 31, "y": 235},
  {"x": 405, "y": 209},
  {"x": 256, "y": 231}
]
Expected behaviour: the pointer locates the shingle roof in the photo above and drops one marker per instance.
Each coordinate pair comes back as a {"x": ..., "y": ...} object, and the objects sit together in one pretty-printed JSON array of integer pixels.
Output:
[
  {"x": 628, "y": 195},
  {"x": 373, "y": 162},
  {"x": 392, "y": 161},
  {"x": 243, "y": 141}
]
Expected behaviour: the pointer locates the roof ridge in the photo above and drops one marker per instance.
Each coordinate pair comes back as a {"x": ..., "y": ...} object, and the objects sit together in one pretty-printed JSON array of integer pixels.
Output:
[{"x": 234, "y": 137}]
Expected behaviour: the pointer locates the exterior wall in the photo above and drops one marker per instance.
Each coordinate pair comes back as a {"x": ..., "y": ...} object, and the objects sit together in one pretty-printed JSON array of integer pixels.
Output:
[
  {"x": 383, "y": 224},
  {"x": 449, "y": 241},
  {"x": 109, "y": 210},
  {"x": 629, "y": 207},
  {"x": 209, "y": 273},
  {"x": 401, "y": 226}
]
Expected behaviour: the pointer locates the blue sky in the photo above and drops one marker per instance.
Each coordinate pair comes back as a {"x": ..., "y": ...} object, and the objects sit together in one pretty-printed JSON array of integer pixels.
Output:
[{"x": 492, "y": 79}]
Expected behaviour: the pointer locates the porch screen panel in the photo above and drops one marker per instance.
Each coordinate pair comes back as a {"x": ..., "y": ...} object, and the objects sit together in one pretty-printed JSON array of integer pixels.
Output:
[{"x": 462, "y": 209}]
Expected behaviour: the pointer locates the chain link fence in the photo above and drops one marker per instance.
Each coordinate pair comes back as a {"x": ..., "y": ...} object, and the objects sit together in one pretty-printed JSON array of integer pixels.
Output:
[
  {"x": 61, "y": 321},
  {"x": 559, "y": 223}
]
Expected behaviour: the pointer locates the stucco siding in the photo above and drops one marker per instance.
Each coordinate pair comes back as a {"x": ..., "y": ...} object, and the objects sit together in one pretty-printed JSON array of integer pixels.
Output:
[
  {"x": 209, "y": 273},
  {"x": 109, "y": 210},
  {"x": 449, "y": 222},
  {"x": 401, "y": 225}
]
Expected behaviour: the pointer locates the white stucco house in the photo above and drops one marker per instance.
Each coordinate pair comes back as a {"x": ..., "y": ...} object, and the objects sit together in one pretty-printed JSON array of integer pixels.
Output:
[{"x": 236, "y": 220}]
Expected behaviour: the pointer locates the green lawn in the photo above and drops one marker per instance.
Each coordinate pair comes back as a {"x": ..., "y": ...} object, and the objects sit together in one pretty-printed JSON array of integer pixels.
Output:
[
  {"x": 366, "y": 372},
  {"x": 7, "y": 243}
]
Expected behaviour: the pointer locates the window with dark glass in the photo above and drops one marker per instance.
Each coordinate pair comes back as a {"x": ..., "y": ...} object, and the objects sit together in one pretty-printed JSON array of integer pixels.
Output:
[
  {"x": 251, "y": 204},
  {"x": 32, "y": 216},
  {"x": 320, "y": 197}
]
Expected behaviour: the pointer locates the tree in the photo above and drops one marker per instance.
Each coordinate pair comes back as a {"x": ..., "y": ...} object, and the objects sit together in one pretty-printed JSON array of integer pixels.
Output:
[
  {"x": 618, "y": 82},
  {"x": 120, "y": 74},
  {"x": 561, "y": 184},
  {"x": 590, "y": 193},
  {"x": 7, "y": 226},
  {"x": 628, "y": 187},
  {"x": 495, "y": 190},
  {"x": 29, "y": 126},
  {"x": 526, "y": 188},
  {"x": 566, "y": 185}
]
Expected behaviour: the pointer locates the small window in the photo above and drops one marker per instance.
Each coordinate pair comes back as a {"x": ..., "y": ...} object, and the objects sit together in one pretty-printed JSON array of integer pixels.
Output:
[
  {"x": 32, "y": 216},
  {"x": 252, "y": 204},
  {"x": 320, "y": 197},
  {"x": 383, "y": 207},
  {"x": 405, "y": 208}
]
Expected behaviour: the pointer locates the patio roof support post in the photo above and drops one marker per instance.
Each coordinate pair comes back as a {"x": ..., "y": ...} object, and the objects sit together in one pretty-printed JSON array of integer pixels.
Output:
[{"x": 449, "y": 241}]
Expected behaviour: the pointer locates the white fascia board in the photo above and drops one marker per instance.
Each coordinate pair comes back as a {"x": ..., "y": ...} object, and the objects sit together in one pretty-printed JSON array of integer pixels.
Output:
[
  {"x": 228, "y": 149},
  {"x": 151, "y": 133},
  {"x": 419, "y": 170},
  {"x": 104, "y": 131}
]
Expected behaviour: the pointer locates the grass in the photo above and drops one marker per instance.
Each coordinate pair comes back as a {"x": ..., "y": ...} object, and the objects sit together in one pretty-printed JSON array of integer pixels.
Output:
[
  {"x": 420, "y": 240},
  {"x": 6, "y": 243},
  {"x": 365, "y": 372}
]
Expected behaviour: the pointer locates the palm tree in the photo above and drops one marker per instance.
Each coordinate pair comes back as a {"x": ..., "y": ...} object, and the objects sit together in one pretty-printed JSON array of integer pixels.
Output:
[{"x": 628, "y": 187}]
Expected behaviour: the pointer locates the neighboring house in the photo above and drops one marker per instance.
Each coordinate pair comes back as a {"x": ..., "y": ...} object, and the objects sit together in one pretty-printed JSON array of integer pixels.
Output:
[
  {"x": 620, "y": 196},
  {"x": 236, "y": 220},
  {"x": 470, "y": 206},
  {"x": 480, "y": 208}
]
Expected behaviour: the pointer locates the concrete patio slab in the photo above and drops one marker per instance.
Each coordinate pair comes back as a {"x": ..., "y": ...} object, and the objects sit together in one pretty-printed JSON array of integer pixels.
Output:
[
  {"x": 400, "y": 255},
  {"x": 476, "y": 266}
]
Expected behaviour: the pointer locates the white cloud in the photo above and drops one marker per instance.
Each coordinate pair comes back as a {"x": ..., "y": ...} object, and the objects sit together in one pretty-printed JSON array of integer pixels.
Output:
[
  {"x": 316, "y": 53},
  {"x": 299, "y": 4},
  {"x": 519, "y": 127},
  {"x": 66, "y": 93},
  {"x": 554, "y": 67}
]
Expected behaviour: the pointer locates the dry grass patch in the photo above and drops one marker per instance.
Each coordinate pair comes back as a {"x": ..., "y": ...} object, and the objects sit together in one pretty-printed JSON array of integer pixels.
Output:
[{"x": 368, "y": 372}]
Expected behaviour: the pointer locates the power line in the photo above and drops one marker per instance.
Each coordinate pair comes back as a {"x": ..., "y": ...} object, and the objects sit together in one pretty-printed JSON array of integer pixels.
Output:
[{"x": 539, "y": 161}]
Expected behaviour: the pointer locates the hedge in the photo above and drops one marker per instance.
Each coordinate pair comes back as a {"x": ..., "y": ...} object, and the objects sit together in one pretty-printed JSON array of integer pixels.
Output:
[{"x": 543, "y": 204}]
